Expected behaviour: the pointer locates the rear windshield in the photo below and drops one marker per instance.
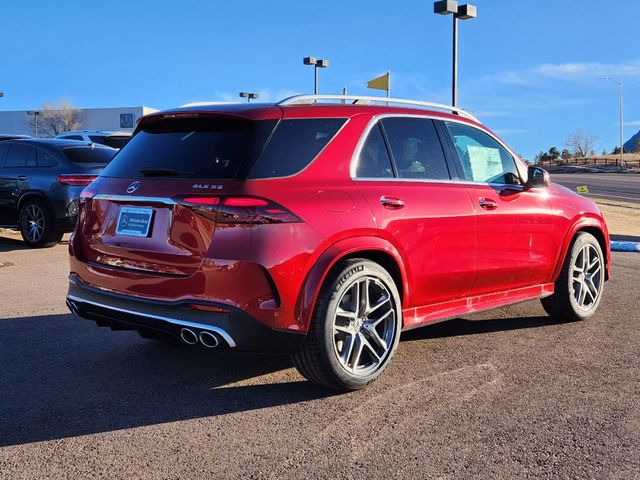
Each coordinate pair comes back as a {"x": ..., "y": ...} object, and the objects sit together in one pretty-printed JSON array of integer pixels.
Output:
[
  {"x": 216, "y": 148},
  {"x": 116, "y": 142},
  {"x": 294, "y": 145},
  {"x": 89, "y": 154}
]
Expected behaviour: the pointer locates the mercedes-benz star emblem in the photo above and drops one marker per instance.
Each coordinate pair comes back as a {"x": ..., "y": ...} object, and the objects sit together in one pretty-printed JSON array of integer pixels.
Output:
[{"x": 133, "y": 187}]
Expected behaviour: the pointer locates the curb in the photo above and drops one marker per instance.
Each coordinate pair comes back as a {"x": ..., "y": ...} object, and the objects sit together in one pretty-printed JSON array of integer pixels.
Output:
[{"x": 617, "y": 246}]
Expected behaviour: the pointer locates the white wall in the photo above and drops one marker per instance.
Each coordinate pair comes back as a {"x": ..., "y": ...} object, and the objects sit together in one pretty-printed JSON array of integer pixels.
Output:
[{"x": 90, "y": 118}]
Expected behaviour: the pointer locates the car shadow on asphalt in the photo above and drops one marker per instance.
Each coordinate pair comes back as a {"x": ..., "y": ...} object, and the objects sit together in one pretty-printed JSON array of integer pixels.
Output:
[
  {"x": 460, "y": 326},
  {"x": 10, "y": 243},
  {"x": 63, "y": 377}
]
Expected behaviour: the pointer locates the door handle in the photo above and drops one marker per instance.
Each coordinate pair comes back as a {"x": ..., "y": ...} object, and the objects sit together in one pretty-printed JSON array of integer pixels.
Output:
[
  {"x": 488, "y": 204},
  {"x": 22, "y": 178},
  {"x": 391, "y": 203}
]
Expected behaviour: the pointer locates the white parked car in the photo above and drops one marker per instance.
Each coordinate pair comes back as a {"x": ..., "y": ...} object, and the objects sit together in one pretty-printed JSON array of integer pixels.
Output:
[{"x": 111, "y": 139}]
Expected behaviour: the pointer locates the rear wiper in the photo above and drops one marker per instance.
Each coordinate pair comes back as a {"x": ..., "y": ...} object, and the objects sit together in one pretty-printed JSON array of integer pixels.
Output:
[{"x": 162, "y": 172}]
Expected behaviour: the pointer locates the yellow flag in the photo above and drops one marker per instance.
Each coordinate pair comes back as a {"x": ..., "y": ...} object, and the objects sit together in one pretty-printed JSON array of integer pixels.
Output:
[{"x": 379, "y": 83}]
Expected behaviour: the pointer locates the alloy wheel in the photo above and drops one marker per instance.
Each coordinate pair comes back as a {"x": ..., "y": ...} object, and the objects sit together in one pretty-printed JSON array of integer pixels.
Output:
[
  {"x": 586, "y": 277},
  {"x": 33, "y": 223},
  {"x": 364, "y": 326}
]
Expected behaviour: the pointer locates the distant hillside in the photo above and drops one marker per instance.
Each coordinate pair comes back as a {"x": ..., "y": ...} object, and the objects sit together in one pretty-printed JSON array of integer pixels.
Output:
[{"x": 628, "y": 146}]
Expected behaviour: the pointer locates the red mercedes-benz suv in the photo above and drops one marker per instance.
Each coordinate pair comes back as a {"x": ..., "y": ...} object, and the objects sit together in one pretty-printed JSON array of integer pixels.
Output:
[{"x": 322, "y": 227}]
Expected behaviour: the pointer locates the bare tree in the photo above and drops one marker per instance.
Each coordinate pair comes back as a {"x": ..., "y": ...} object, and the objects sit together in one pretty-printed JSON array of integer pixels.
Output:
[
  {"x": 52, "y": 119},
  {"x": 581, "y": 143}
]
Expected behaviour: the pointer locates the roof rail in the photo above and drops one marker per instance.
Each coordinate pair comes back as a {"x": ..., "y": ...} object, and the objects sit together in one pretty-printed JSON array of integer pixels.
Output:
[{"x": 358, "y": 99}]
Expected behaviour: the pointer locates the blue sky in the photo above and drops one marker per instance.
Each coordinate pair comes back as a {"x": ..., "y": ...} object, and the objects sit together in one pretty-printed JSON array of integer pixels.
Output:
[{"x": 532, "y": 71}]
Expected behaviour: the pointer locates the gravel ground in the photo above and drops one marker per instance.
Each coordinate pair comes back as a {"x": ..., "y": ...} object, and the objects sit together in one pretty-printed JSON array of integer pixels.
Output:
[{"x": 503, "y": 394}]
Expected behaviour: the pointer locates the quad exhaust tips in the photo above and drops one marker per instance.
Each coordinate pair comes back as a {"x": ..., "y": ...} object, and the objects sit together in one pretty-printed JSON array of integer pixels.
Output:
[
  {"x": 206, "y": 339},
  {"x": 188, "y": 336}
]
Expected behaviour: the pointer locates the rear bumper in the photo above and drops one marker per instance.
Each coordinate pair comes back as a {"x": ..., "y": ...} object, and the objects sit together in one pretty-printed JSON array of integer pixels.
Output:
[{"x": 234, "y": 329}]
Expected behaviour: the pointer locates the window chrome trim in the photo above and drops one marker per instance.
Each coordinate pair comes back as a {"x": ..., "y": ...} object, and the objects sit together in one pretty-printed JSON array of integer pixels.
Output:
[
  {"x": 374, "y": 120},
  {"x": 173, "y": 321},
  {"x": 134, "y": 199}
]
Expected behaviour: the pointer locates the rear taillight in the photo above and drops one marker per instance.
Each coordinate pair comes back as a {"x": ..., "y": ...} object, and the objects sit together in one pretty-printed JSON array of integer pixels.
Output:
[
  {"x": 236, "y": 210},
  {"x": 76, "y": 180}
]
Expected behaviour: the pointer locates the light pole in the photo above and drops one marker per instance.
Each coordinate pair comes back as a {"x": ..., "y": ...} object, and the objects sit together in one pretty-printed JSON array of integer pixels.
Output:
[
  {"x": 249, "y": 96},
  {"x": 621, "y": 120},
  {"x": 462, "y": 12},
  {"x": 36, "y": 114},
  {"x": 317, "y": 63}
]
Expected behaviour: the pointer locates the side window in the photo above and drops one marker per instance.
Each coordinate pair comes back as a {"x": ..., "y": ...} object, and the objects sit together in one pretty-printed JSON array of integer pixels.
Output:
[
  {"x": 45, "y": 160},
  {"x": 294, "y": 145},
  {"x": 374, "y": 161},
  {"x": 3, "y": 154},
  {"x": 416, "y": 148},
  {"x": 483, "y": 159},
  {"x": 20, "y": 156},
  {"x": 72, "y": 137}
]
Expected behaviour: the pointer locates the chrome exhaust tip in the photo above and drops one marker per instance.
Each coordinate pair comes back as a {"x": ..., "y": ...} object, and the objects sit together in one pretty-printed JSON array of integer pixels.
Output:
[
  {"x": 208, "y": 339},
  {"x": 73, "y": 308},
  {"x": 188, "y": 336}
]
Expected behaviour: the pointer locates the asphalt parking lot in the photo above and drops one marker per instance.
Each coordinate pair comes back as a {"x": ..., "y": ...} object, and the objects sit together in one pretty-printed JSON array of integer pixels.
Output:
[{"x": 503, "y": 394}]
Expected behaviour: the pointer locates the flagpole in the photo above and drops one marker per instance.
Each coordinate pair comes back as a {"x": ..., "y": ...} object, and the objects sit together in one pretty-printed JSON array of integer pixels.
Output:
[{"x": 388, "y": 83}]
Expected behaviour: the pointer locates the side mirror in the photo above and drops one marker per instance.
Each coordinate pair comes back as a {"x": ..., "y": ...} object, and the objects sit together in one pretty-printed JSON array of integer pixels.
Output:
[{"x": 537, "y": 178}]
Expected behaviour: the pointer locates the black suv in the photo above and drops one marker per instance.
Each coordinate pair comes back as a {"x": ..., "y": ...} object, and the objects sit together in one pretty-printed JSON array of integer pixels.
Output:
[{"x": 40, "y": 185}]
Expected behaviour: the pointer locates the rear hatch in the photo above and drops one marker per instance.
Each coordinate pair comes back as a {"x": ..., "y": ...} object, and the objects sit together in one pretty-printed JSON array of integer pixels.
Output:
[{"x": 154, "y": 207}]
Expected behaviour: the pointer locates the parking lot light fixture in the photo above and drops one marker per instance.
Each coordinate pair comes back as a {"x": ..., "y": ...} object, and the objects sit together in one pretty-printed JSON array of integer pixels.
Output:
[
  {"x": 619, "y": 83},
  {"x": 249, "y": 96},
  {"x": 317, "y": 63},
  {"x": 462, "y": 12},
  {"x": 1, "y": 94}
]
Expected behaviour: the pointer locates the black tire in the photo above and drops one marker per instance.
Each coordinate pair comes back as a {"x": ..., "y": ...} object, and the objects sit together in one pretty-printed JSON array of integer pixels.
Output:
[
  {"x": 37, "y": 224},
  {"x": 563, "y": 304},
  {"x": 318, "y": 357}
]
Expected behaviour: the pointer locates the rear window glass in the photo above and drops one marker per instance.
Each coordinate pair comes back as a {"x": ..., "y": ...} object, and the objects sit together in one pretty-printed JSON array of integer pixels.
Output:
[
  {"x": 89, "y": 154},
  {"x": 294, "y": 145},
  {"x": 116, "y": 142},
  {"x": 98, "y": 139},
  {"x": 215, "y": 148}
]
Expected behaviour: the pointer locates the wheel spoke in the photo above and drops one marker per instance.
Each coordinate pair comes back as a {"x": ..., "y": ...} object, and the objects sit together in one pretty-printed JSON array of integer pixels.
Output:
[
  {"x": 343, "y": 329},
  {"x": 372, "y": 334},
  {"x": 346, "y": 350},
  {"x": 378, "y": 305},
  {"x": 374, "y": 322},
  {"x": 364, "y": 296},
  {"x": 340, "y": 312},
  {"x": 356, "y": 351},
  {"x": 365, "y": 343},
  {"x": 583, "y": 294}
]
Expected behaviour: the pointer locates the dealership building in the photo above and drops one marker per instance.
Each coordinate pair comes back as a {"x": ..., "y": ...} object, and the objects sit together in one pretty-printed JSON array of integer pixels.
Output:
[{"x": 112, "y": 119}]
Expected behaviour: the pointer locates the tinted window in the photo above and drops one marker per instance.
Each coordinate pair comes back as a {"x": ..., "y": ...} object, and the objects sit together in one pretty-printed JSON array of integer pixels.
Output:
[
  {"x": 203, "y": 148},
  {"x": 45, "y": 160},
  {"x": 3, "y": 153},
  {"x": 483, "y": 159},
  {"x": 73, "y": 137},
  {"x": 116, "y": 142},
  {"x": 294, "y": 145},
  {"x": 101, "y": 139},
  {"x": 416, "y": 148},
  {"x": 20, "y": 156},
  {"x": 374, "y": 161},
  {"x": 89, "y": 154}
]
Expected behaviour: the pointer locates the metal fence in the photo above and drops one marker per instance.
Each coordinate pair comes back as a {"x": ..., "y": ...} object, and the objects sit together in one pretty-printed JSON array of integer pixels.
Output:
[{"x": 632, "y": 162}]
